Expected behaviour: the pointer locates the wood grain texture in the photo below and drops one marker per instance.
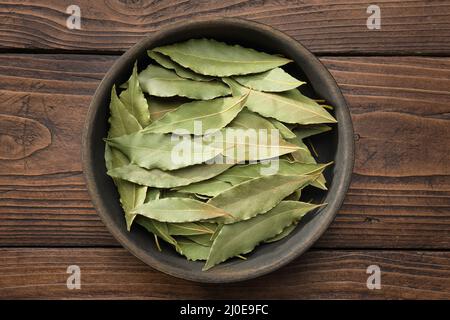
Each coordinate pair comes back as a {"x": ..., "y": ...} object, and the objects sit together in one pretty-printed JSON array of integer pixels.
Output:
[
  {"x": 114, "y": 273},
  {"x": 411, "y": 26},
  {"x": 43, "y": 198},
  {"x": 400, "y": 193},
  {"x": 21, "y": 137}
]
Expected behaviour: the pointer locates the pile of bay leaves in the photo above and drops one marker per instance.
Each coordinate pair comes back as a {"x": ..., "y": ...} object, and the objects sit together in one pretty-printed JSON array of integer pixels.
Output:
[{"x": 218, "y": 202}]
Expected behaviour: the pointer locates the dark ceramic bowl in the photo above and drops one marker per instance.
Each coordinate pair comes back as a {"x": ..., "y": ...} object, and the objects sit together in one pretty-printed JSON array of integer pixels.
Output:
[{"x": 337, "y": 146}]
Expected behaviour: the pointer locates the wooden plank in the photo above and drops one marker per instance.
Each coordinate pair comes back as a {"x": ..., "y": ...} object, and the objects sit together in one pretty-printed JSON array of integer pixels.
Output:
[
  {"x": 113, "y": 273},
  {"x": 414, "y": 26},
  {"x": 399, "y": 197},
  {"x": 43, "y": 198}
]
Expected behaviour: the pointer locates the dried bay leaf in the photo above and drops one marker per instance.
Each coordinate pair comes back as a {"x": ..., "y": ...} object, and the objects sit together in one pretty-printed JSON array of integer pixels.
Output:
[
  {"x": 212, "y": 114},
  {"x": 152, "y": 194},
  {"x": 166, "y": 193},
  {"x": 191, "y": 228},
  {"x": 134, "y": 100},
  {"x": 201, "y": 239},
  {"x": 161, "y": 82},
  {"x": 286, "y": 231},
  {"x": 168, "y": 179},
  {"x": 289, "y": 106},
  {"x": 243, "y": 237},
  {"x": 249, "y": 145},
  {"x": 179, "y": 210},
  {"x": 160, "y": 106},
  {"x": 179, "y": 70},
  {"x": 157, "y": 150},
  {"x": 122, "y": 122},
  {"x": 214, "y": 58},
  {"x": 295, "y": 196},
  {"x": 216, "y": 232},
  {"x": 320, "y": 182},
  {"x": 211, "y": 187},
  {"x": 251, "y": 120},
  {"x": 285, "y": 132},
  {"x": 131, "y": 195},
  {"x": 303, "y": 155},
  {"x": 275, "y": 80},
  {"x": 242, "y": 173},
  {"x": 158, "y": 228},
  {"x": 192, "y": 250},
  {"x": 257, "y": 196},
  {"x": 109, "y": 158}
]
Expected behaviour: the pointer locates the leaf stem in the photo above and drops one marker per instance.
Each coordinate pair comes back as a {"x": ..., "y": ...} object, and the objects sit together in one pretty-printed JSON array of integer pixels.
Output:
[{"x": 157, "y": 243}]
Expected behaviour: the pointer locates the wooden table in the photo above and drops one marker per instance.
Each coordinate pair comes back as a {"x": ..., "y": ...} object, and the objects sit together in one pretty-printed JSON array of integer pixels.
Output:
[{"x": 396, "y": 214}]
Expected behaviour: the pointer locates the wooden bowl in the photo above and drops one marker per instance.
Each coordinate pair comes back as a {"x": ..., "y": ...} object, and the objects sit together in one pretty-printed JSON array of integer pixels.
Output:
[{"x": 337, "y": 146}]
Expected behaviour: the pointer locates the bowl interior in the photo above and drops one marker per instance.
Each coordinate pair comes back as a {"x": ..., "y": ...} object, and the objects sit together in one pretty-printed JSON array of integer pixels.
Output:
[{"x": 334, "y": 146}]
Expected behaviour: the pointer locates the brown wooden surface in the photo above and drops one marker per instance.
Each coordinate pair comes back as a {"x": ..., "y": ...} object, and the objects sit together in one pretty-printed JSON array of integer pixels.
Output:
[
  {"x": 396, "y": 213},
  {"x": 114, "y": 273},
  {"x": 400, "y": 194},
  {"x": 409, "y": 26}
]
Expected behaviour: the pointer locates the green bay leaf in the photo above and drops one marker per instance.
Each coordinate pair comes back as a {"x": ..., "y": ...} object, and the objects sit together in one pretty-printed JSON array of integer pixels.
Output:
[
  {"x": 245, "y": 172},
  {"x": 289, "y": 106},
  {"x": 247, "y": 119},
  {"x": 161, "y": 106},
  {"x": 161, "y": 82},
  {"x": 208, "y": 115},
  {"x": 286, "y": 231},
  {"x": 249, "y": 144},
  {"x": 257, "y": 196},
  {"x": 121, "y": 121},
  {"x": 214, "y": 58},
  {"x": 152, "y": 194},
  {"x": 211, "y": 187},
  {"x": 285, "y": 132},
  {"x": 251, "y": 120},
  {"x": 166, "y": 152},
  {"x": 191, "y": 228},
  {"x": 192, "y": 250},
  {"x": 179, "y": 70},
  {"x": 179, "y": 210},
  {"x": 168, "y": 179},
  {"x": 275, "y": 80},
  {"x": 294, "y": 195},
  {"x": 134, "y": 100},
  {"x": 131, "y": 195},
  {"x": 303, "y": 155},
  {"x": 201, "y": 239},
  {"x": 158, "y": 228},
  {"x": 243, "y": 237},
  {"x": 241, "y": 173}
]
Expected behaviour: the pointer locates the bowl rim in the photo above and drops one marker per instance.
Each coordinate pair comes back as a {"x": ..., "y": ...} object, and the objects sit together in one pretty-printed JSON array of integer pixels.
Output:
[{"x": 341, "y": 176}]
